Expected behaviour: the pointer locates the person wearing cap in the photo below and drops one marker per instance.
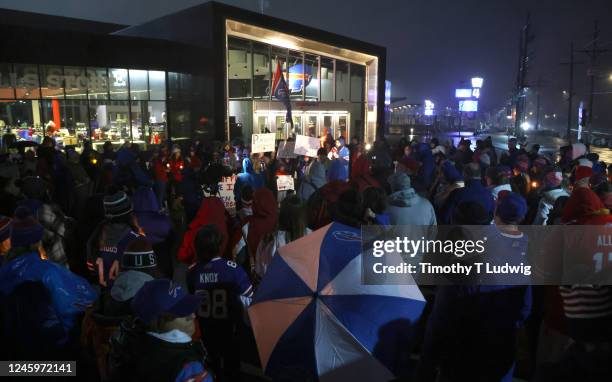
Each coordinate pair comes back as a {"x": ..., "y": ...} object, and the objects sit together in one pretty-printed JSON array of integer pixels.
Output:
[
  {"x": 228, "y": 290},
  {"x": 5, "y": 237},
  {"x": 42, "y": 301},
  {"x": 473, "y": 191},
  {"x": 156, "y": 344},
  {"x": 582, "y": 173},
  {"x": 498, "y": 180},
  {"x": 553, "y": 190},
  {"x": 138, "y": 266},
  {"x": 107, "y": 243}
]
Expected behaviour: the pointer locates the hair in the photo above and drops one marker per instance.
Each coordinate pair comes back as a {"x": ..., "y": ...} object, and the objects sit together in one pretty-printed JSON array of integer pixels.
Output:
[
  {"x": 321, "y": 151},
  {"x": 349, "y": 209},
  {"x": 375, "y": 199},
  {"x": 207, "y": 243},
  {"x": 521, "y": 184},
  {"x": 497, "y": 177},
  {"x": 292, "y": 218}
]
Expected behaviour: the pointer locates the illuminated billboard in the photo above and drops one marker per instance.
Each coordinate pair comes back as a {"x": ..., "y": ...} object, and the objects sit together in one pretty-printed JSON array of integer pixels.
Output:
[
  {"x": 468, "y": 105},
  {"x": 463, "y": 93}
]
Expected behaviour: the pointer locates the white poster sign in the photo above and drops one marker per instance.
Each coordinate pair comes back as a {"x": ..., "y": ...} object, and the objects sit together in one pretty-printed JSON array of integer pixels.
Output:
[
  {"x": 284, "y": 182},
  {"x": 263, "y": 143},
  {"x": 285, "y": 150},
  {"x": 308, "y": 146}
]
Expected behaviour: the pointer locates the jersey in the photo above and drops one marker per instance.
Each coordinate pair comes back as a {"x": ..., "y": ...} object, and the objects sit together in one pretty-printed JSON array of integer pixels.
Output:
[{"x": 505, "y": 258}]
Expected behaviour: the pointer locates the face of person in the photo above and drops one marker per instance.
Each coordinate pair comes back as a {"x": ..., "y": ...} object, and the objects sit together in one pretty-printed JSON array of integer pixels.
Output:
[
  {"x": 338, "y": 144},
  {"x": 5, "y": 246},
  {"x": 407, "y": 150},
  {"x": 184, "y": 324}
]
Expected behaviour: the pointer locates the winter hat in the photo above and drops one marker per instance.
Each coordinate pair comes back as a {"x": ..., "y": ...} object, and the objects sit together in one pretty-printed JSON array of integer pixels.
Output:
[
  {"x": 117, "y": 204},
  {"x": 578, "y": 150},
  {"x": 410, "y": 164},
  {"x": 163, "y": 296},
  {"x": 5, "y": 228},
  {"x": 553, "y": 178},
  {"x": 451, "y": 174},
  {"x": 128, "y": 284},
  {"x": 511, "y": 207},
  {"x": 585, "y": 163},
  {"x": 25, "y": 230},
  {"x": 583, "y": 172},
  {"x": 583, "y": 202},
  {"x": 138, "y": 255},
  {"x": 399, "y": 181}
]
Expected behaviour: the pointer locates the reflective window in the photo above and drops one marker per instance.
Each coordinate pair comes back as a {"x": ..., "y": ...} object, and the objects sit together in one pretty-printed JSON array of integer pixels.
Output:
[
  {"x": 311, "y": 126},
  {"x": 23, "y": 118},
  {"x": 180, "y": 119},
  {"x": 7, "y": 81},
  {"x": 52, "y": 81},
  {"x": 157, "y": 85},
  {"x": 98, "y": 83},
  {"x": 261, "y": 70},
  {"x": 357, "y": 82},
  {"x": 342, "y": 81},
  {"x": 118, "y": 83},
  {"x": 239, "y": 68},
  {"x": 156, "y": 131},
  {"x": 327, "y": 79},
  {"x": 311, "y": 76},
  {"x": 139, "y": 87},
  {"x": 241, "y": 119},
  {"x": 295, "y": 78},
  {"x": 342, "y": 127},
  {"x": 69, "y": 118},
  {"x": 109, "y": 121},
  {"x": 27, "y": 84},
  {"x": 75, "y": 82}
]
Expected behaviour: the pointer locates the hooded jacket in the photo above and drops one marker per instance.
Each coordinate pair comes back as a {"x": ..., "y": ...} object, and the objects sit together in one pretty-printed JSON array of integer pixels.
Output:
[
  {"x": 546, "y": 204},
  {"x": 264, "y": 218},
  {"x": 248, "y": 176},
  {"x": 406, "y": 207},
  {"x": 423, "y": 154},
  {"x": 360, "y": 174},
  {"x": 212, "y": 211},
  {"x": 473, "y": 191},
  {"x": 585, "y": 208},
  {"x": 157, "y": 227},
  {"x": 314, "y": 178},
  {"x": 126, "y": 170},
  {"x": 495, "y": 190}
]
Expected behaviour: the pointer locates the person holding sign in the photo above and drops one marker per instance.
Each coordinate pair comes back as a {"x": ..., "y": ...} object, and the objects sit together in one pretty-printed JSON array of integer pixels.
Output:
[{"x": 252, "y": 174}]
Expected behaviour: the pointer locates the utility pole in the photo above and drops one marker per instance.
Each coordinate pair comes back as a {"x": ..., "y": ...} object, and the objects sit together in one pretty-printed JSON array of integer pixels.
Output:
[{"x": 524, "y": 40}]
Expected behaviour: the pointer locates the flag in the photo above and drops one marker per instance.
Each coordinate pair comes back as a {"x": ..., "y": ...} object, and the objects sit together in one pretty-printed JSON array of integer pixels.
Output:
[{"x": 280, "y": 90}]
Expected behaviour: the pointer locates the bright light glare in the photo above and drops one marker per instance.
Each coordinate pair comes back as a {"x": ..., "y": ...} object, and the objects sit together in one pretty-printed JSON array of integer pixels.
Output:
[
  {"x": 368, "y": 146},
  {"x": 525, "y": 125},
  {"x": 477, "y": 82}
]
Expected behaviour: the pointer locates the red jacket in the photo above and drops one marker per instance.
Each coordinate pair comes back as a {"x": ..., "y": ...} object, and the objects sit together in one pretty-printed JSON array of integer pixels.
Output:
[
  {"x": 160, "y": 170},
  {"x": 176, "y": 168}
]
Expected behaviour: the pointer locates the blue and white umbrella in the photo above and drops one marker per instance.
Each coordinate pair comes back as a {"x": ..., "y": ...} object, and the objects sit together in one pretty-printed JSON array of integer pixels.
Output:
[{"x": 313, "y": 318}]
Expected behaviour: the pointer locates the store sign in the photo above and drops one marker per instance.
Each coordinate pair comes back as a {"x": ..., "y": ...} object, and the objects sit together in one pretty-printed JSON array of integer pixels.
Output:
[
  {"x": 308, "y": 146},
  {"x": 284, "y": 182},
  {"x": 263, "y": 143},
  {"x": 297, "y": 79},
  {"x": 71, "y": 79},
  {"x": 463, "y": 93},
  {"x": 285, "y": 149}
]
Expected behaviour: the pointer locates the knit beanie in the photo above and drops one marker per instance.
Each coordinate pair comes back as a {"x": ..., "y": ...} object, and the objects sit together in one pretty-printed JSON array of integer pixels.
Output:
[
  {"x": 25, "y": 230},
  {"x": 553, "y": 178},
  {"x": 138, "y": 255},
  {"x": 117, "y": 204},
  {"x": 583, "y": 172},
  {"x": 5, "y": 228},
  {"x": 511, "y": 207}
]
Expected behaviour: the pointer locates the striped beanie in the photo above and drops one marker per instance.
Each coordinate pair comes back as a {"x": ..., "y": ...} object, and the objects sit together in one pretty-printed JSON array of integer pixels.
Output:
[
  {"x": 138, "y": 255},
  {"x": 5, "y": 228},
  {"x": 553, "y": 178},
  {"x": 25, "y": 230},
  {"x": 117, "y": 204}
]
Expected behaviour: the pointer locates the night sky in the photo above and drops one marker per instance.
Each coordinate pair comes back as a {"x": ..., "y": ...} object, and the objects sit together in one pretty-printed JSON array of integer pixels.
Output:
[{"x": 432, "y": 45}]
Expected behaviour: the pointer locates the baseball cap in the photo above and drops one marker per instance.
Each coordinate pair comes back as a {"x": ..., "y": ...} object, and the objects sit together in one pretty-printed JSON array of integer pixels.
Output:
[
  {"x": 511, "y": 207},
  {"x": 163, "y": 296}
]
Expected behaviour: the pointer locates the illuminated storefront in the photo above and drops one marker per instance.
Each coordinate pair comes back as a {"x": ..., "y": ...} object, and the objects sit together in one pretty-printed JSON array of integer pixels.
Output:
[{"x": 201, "y": 73}]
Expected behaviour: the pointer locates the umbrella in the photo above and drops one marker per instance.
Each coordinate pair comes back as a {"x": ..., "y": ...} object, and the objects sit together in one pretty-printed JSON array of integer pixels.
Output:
[{"x": 313, "y": 319}]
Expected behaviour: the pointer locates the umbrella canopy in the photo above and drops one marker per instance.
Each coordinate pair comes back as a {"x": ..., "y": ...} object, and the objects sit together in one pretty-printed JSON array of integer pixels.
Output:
[{"x": 313, "y": 318}]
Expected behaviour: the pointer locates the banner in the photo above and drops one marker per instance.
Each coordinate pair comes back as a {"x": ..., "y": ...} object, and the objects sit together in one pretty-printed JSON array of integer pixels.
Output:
[
  {"x": 263, "y": 143},
  {"x": 285, "y": 150},
  {"x": 284, "y": 182},
  {"x": 308, "y": 146},
  {"x": 226, "y": 193}
]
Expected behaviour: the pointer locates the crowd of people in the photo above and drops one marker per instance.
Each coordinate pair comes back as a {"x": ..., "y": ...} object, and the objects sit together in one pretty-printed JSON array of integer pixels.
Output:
[{"x": 128, "y": 261}]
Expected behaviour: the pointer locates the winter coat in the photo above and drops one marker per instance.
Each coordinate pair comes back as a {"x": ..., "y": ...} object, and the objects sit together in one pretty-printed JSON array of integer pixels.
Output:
[
  {"x": 406, "y": 207},
  {"x": 156, "y": 226},
  {"x": 314, "y": 178},
  {"x": 495, "y": 190},
  {"x": 546, "y": 204},
  {"x": 248, "y": 176},
  {"x": 473, "y": 191}
]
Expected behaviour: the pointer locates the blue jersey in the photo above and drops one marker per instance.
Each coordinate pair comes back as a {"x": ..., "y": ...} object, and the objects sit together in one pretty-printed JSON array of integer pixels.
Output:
[
  {"x": 219, "y": 272},
  {"x": 509, "y": 250}
]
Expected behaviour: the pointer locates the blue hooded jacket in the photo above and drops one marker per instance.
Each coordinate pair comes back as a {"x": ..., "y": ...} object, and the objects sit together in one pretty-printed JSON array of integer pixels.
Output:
[
  {"x": 127, "y": 171},
  {"x": 156, "y": 226},
  {"x": 423, "y": 154},
  {"x": 338, "y": 170},
  {"x": 473, "y": 191},
  {"x": 248, "y": 176}
]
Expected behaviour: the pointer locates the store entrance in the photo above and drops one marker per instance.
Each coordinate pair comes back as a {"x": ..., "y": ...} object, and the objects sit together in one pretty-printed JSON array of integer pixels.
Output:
[{"x": 310, "y": 123}]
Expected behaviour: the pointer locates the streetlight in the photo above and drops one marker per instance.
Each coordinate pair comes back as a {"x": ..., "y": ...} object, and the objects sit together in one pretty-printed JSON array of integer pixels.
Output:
[{"x": 525, "y": 125}]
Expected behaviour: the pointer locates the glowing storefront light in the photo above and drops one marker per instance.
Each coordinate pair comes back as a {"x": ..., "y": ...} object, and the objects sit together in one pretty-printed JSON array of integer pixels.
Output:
[{"x": 477, "y": 82}]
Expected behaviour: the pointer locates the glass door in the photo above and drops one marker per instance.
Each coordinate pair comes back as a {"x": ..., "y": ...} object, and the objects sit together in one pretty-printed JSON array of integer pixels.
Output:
[
  {"x": 311, "y": 126},
  {"x": 280, "y": 128},
  {"x": 297, "y": 126},
  {"x": 343, "y": 127},
  {"x": 262, "y": 125},
  {"x": 328, "y": 125}
]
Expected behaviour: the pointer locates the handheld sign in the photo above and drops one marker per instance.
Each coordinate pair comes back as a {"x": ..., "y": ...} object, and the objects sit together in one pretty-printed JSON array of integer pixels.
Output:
[
  {"x": 284, "y": 182},
  {"x": 307, "y": 146},
  {"x": 226, "y": 193},
  {"x": 263, "y": 143},
  {"x": 285, "y": 150}
]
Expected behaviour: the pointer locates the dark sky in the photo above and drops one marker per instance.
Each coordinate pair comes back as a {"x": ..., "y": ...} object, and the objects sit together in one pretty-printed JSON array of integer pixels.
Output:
[{"x": 432, "y": 45}]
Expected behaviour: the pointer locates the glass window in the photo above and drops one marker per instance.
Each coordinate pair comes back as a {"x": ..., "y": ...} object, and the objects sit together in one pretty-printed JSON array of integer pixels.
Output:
[
  {"x": 296, "y": 75},
  {"x": 139, "y": 112},
  {"x": 75, "y": 82},
  {"x": 239, "y": 68},
  {"x": 70, "y": 119},
  {"x": 281, "y": 127},
  {"x": 180, "y": 119},
  {"x": 311, "y": 76},
  {"x": 109, "y": 121},
  {"x": 157, "y": 85},
  {"x": 263, "y": 125},
  {"x": 342, "y": 81},
  {"x": 27, "y": 84},
  {"x": 52, "y": 81},
  {"x": 23, "y": 119},
  {"x": 327, "y": 126},
  {"x": 139, "y": 87},
  {"x": 279, "y": 56},
  {"x": 241, "y": 119},
  {"x": 7, "y": 81},
  {"x": 311, "y": 126},
  {"x": 342, "y": 127},
  {"x": 261, "y": 70},
  {"x": 118, "y": 83},
  {"x": 298, "y": 128},
  {"x": 327, "y": 79},
  {"x": 357, "y": 82},
  {"x": 98, "y": 83}
]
